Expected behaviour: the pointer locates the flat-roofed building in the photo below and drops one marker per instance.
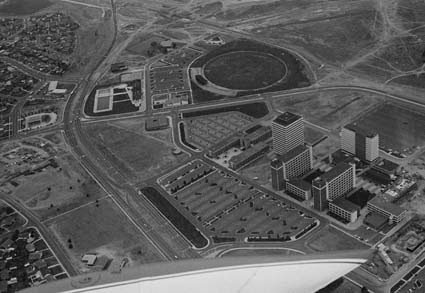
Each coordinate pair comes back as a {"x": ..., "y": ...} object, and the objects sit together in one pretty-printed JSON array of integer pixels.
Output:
[
  {"x": 385, "y": 207},
  {"x": 360, "y": 142},
  {"x": 344, "y": 209},
  {"x": 297, "y": 162},
  {"x": 288, "y": 132},
  {"x": 262, "y": 133},
  {"x": 299, "y": 188},
  {"x": 333, "y": 184},
  {"x": 225, "y": 145},
  {"x": 248, "y": 155}
]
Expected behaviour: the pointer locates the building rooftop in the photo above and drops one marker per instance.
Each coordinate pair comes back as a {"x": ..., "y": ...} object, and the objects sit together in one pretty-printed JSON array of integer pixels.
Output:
[
  {"x": 346, "y": 204},
  {"x": 361, "y": 130},
  {"x": 300, "y": 183},
  {"x": 286, "y": 118},
  {"x": 335, "y": 172},
  {"x": 292, "y": 153},
  {"x": 387, "y": 205},
  {"x": 386, "y": 165},
  {"x": 276, "y": 163}
]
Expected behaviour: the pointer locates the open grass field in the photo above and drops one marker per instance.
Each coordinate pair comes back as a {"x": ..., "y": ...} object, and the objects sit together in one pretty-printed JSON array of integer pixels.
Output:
[
  {"x": 58, "y": 190},
  {"x": 329, "y": 109},
  {"x": 247, "y": 70},
  {"x": 399, "y": 128},
  {"x": 104, "y": 230},
  {"x": 333, "y": 38},
  {"x": 135, "y": 152},
  {"x": 330, "y": 239}
]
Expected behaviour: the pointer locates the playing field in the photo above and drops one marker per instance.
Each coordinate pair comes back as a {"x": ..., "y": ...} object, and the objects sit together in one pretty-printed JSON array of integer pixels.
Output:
[
  {"x": 244, "y": 70},
  {"x": 102, "y": 229},
  {"x": 399, "y": 128}
]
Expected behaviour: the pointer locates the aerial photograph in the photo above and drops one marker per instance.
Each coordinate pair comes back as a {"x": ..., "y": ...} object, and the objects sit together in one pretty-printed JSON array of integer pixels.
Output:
[{"x": 212, "y": 146}]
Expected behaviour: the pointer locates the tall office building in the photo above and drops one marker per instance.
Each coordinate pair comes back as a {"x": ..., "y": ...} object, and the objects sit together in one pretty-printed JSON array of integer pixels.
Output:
[
  {"x": 288, "y": 132},
  {"x": 362, "y": 143},
  {"x": 297, "y": 162},
  {"x": 333, "y": 184},
  {"x": 276, "y": 168}
]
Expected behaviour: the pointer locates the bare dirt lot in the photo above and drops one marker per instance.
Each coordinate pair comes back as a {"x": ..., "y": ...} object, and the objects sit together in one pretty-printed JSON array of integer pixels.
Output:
[
  {"x": 58, "y": 190},
  {"x": 102, "y": 229},
  {"x": 330, "y": 239},
  {"x": 136, "y": 152},
  {"x": 329, "y": 109}
]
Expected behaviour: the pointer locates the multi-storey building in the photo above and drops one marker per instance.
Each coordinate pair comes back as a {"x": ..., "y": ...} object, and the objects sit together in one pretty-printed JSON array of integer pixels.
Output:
[
  {"x": 360, "y": 142},
  {"x": 344, "y": 209},
  {"x": 297, "y": 162},
  {"x": 288, "y": 132},
  {"x": 333, "y": 184}
]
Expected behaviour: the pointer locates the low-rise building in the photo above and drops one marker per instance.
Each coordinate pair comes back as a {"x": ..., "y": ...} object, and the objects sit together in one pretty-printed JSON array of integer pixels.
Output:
[
  {"x": 344, "y": 209},
  {"x": 224, "y": 145},
  {"x": 385, "y": 207},
  {"x": 299, "y": 189},
  {"x": 248, "y": 155}
]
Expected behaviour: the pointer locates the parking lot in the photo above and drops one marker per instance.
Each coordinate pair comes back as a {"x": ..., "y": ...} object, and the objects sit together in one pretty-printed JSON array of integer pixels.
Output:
[
  {"x": 231, "y": 210},
  {"x": 206, "y": 131},
  {"x": 168, "y": 79}
]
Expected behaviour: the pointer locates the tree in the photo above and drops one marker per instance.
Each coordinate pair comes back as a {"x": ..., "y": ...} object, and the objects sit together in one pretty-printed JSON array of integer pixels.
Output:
[{"x": 70, "y": 246}]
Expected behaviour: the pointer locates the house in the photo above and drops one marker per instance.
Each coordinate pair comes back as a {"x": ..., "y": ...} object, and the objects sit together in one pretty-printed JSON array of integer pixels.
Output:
[{"x": 89, "y": 259}]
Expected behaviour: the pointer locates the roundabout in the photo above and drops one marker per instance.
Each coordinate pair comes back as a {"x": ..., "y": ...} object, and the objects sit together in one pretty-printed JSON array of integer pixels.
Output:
[{"x": 245, "y": 70}]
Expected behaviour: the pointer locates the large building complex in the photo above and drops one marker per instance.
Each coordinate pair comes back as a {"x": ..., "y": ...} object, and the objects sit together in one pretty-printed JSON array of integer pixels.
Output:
[
  {"x": 288, "y": 132},
  {"x": 293, "y": 164},
  {"x": 333, "y": 184},
  {"x": 359, "y": 142}
]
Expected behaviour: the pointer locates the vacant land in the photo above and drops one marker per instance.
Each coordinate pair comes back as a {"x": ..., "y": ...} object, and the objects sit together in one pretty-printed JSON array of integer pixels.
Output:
[
  {"x": 136, "y": 153},
  {"x": 102, "y": 229},
  {"x": 400, "y": 129},
  {"x": 258, "y": 170},
  {"x": 330, "y": 239},
  {"x": 58, "y": 190},
  {"x": 22, "y": 7},
  {"x": 334, "y": 39},
  {"x": 329, "y": 109}
]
